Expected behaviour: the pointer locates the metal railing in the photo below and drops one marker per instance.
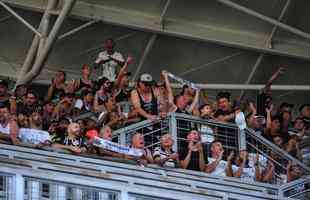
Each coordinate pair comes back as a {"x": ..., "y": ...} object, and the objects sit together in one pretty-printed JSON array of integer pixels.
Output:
[
  {"x": 41, "y": 174},
  {"x": 6, "y": 187},
  {"x": 151, "y": 130},
  {"x": 298, "y": 189},
  {"x": 233, "y": 139},
  {"x": 37, "y": 189},
  {"x": 270, "y": 152},
  {"x": 226, "y": 133}
]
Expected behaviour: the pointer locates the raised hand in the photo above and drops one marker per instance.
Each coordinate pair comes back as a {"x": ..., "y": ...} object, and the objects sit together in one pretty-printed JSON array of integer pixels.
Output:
[
  {"x": 129, "y": 60},
  {"x": 174, "y": 156},
  {"x": 269, "y": 109},
  {"x": 231, "y": 156}
]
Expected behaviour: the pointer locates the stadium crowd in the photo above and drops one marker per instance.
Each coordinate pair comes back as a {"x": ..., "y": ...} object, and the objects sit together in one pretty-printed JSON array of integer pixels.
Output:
[{"x": 74, "y": 113}]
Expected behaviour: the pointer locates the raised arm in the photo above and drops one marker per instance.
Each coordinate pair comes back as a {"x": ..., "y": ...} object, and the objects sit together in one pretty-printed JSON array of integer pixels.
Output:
[
  {"x": 274, "y": 77},
  {"x": 168, "y": 87},
  {"x": 194, "y": 103},
  {"x": 123, "y": 70},
  {"x": 229, "y": 170},
  {"x": 268, "y": 123}
]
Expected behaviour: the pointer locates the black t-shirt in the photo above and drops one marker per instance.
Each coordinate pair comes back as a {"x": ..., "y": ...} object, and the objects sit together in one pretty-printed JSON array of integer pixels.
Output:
[
  {"x": 122, "y": 95},
  {"x": 6, "y": 103},
  {"x": 77, "y": 142},
  {"x": 194, "y": 161}
]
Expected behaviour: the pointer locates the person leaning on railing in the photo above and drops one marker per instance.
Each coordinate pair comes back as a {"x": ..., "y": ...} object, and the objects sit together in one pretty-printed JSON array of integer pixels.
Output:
[
  {"x": 242, "y": 169},
  {"x": 73, "y": 142},
  {"x": 138, "y": 143},
  {"x": 193, "y": 156},
  {"x": 8, "y": 127},
  {"x": 164, "y": 155}
]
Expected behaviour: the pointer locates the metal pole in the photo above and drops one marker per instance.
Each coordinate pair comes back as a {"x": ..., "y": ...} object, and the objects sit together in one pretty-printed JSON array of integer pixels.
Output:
[
  {"x": 37, "y": 67},
  {"x": 147, "y": 50},
  {"x": 19, "y": 186},
  {"x": 163, "y": 13},
  {"x": 247, "y": 87},
  {"x": 33, "y": 190},
  {"x": 251, "y": 75},
  {"x": 45, "y": 24},
  {"x": 77, "y": 29},
  {"x": 5, "y": 18},
  {"x": 265, "y": 18},
  {"x": 274, "y": 29},
  {"x": 173, "y": 131},
  {"x": 20, "y": 19},
  {"x": 210, "y": 63},
  {"x": 77, "y": 194},
  {"x": 31, "y": 54},
  {"x": 241, "y": 140},
  {"x": 100, "y": 46}
]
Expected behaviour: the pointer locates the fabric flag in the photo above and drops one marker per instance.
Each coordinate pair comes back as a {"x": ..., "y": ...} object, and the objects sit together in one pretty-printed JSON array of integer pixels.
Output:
[
  {"x": 181, "y": 80},
  {"x": 112, "y": 146}
]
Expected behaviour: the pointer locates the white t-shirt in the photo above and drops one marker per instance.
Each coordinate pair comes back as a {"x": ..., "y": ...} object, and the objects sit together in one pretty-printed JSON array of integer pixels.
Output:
[
  {"x": 33, "y": 136},
  {"x": 109, "y": 65},
  {"x": 220, "y": 170},
  {"x": 248, "y": 173},
  {"x": 5, "y": 130}
]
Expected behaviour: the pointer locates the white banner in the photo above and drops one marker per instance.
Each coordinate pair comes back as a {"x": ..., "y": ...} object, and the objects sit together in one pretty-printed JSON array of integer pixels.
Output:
[
  {"x": 112, "y": 146},
  {"x": 33, "y": 136},
  {"x": 182, "y": 81}
]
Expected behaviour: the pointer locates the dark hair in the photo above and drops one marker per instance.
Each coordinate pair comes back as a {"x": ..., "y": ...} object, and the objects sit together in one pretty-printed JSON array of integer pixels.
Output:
[
  {"x": 33, "y": 93},
  {"x": 64, "y": 73},
  {"x": 215, "y": 141},
  {"x": 183, "y": 89},
  {"x": 204, "y": 105},
  {"x": 2, "y": 105},
  {"x": 110, "y": 39},
  {"x": 221, "y": 95},
  {"x": 175, "y": 99}
]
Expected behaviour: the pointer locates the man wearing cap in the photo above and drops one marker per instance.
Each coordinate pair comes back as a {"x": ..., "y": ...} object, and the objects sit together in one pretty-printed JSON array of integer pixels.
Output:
[
  {"x": 144, "y": 98},
  {"x": 109, "y": 60}
]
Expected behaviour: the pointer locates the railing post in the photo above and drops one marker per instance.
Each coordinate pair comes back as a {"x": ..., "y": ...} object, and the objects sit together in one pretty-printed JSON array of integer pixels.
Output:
[
  {"x": 103, "y": 196},
  {"x": 77, "y": 194},
  {"x": 124, "y": 195},
  {"x": 173, "y": 131},
  {"x": 122, "y": 138},
  {"x": 12, "y": 186},
  {"x": 241, "y": 139},
  {"x": 33, "y": 190},
  {"x": 58, "y": 192}
]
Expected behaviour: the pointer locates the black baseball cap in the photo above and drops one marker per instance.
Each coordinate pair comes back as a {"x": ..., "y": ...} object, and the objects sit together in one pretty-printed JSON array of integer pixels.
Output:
[
  {"x": 285, "y": 104},
  {"x": 4, "y": 83}
]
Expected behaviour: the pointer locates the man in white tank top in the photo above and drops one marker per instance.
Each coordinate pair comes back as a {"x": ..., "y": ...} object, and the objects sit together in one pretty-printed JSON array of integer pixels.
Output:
[{"x": 8, "y": 128}]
